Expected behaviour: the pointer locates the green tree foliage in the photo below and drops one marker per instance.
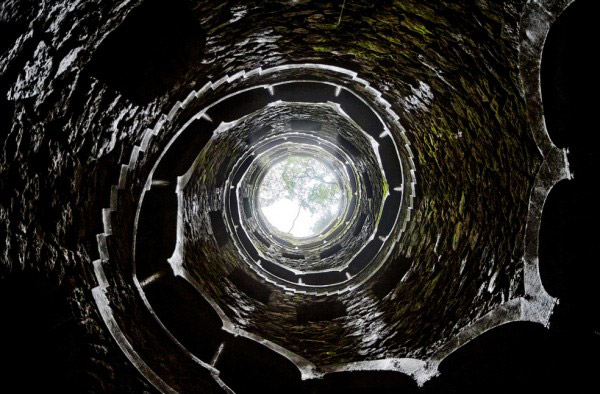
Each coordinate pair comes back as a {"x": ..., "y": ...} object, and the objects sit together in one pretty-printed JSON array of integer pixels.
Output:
[{"x": 306, "y": 181}]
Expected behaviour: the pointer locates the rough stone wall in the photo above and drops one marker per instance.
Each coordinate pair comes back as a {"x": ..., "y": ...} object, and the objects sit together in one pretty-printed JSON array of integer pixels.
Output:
[
  {"x": 70, "y": 111},
  {"x": 62, "y": 137}
]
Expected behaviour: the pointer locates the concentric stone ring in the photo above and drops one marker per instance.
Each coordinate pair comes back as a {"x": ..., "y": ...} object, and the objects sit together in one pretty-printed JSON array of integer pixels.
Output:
[{"x": 202, "y": 248}]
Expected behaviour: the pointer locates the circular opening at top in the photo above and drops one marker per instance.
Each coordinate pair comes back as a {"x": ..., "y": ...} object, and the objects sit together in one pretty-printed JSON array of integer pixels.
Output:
[{"x": 300, "y": 196}]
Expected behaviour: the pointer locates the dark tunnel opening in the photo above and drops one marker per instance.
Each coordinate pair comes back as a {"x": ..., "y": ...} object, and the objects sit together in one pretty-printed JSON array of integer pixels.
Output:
[
  {"x": 416, "y": 285},
  {"x": 566, "y": 234}
]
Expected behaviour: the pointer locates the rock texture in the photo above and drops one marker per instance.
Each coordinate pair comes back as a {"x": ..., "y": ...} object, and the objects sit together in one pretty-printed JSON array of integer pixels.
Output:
[{"x": 81, "y": 80}]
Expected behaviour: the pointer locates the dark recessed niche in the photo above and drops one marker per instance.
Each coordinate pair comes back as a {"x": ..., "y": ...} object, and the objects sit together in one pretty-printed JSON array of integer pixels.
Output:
[
  {"x": 181, "y": 154},
  {"x": 310, "y": 92},
  {"x": 330, "y": 251},
  {"x": 320, "y": 311},
  {"x": 250, "y": 286},
  {"x": 305, "y": 124},
  {"x": 239, "y": 105},
  {"x": 360, "y": 113},
  {"x": 558, "y": 236},
  {"x": 566, "y": 244},
  {"x": 187, "y": 315},
  {"x": 391, "y": 165},
  {"x": 360, "y": 223},
  {"x": 247, "y": 208},
  {"x": 156, "y": 231},
  {"x": 279, "y": 271},
  {"x": 218, "y": 226},
  {"x": 392, "y": 276},
  {"x": 262, "y": 239},
  {"x": 258, "y": 135},
  {"x": 323, "y": 278},
  {"x": 293, "y": 256},
  {"x": 248, "y": 245},
  {"x": 362, "y": 259},
  {"x": 248, "y": 367},
  {"x": 242, "y": 169},
  {"x": 348, "y": 146},
  {"x": 151, "y": 51},
  {"x": 567, "y": 252},
  {"x": 567, "y": 68},
  {"x": 235, "y": 215},
  {"x": 388, "y": 216}
]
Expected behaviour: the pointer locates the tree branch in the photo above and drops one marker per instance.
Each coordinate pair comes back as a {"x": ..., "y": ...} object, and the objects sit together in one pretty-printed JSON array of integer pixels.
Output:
[{"x": 296, "y": 218}]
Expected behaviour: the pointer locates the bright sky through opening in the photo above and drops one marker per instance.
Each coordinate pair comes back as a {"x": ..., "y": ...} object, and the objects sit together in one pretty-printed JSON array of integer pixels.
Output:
[{"x": 300, "y": 196}]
